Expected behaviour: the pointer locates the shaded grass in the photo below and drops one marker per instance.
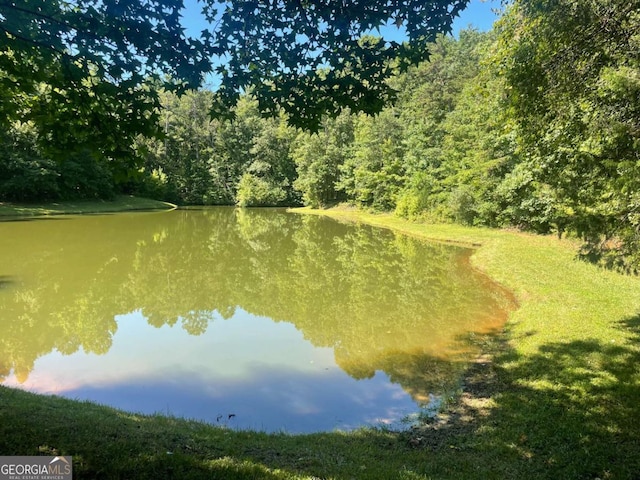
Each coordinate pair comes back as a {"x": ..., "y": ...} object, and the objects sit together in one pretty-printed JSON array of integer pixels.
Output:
[
  {"x": 555, "y": 396},
  {"x": 119, "y": 204}
]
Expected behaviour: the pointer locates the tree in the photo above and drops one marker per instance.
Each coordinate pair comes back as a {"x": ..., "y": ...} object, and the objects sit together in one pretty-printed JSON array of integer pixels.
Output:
[
  {"x": 478, "y": 147},
  {"x": 122, "y": 41},
  {"x": 319, "y": 157},
  {"x": 374, "y": 173},
  {"x": 572, "y": 69},
  {"x": 234, "y": 145},
  {"x": 24, "y": 172},
  {"x": 431, "y": 93},
  {"x": 269, "y": 178},
  {"x": 311, "y": 58},
  {"x": 87, "y": 68},
  {"x": 184, "y": 160}
]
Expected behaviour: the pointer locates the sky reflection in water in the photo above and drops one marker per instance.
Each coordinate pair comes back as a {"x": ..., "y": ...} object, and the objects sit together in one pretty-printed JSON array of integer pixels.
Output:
[{"x": 271, "y": 378}]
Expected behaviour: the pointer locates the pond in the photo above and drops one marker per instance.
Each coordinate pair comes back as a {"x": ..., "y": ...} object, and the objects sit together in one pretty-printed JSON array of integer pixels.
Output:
[{"x": 249, "y": 319}]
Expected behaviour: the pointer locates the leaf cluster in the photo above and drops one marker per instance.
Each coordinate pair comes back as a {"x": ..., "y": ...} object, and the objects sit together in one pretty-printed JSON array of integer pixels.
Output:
[
  {"x": 309, "y": 58},
  {"x": 121, "y": 41}
]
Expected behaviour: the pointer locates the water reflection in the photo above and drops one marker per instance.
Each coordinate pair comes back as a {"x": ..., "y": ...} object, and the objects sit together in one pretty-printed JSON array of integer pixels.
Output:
[{"x": 253, "y": 311}]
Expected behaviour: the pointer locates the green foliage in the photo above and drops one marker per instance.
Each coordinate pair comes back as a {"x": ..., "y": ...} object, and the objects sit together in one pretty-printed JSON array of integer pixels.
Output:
[
  {"x": 201, "y": 161},
  {"x": 24, "y": 173},
  {"x": 462, "y": 205},
  {"x": 187, "y": 164},
  {"x": 319, "y": 158},
  {"x": 27, "y": 173},
  {"x": 83, "y": 75},
  {"x": 534, "y": 125},
  {"x": 185, "y": 154},
  {"x": 315, "y": 59},
  {"x": 234, "y": 144},
  {"x": 81, "y": 176},
  {"x": 88, "y": 128},
  {"x": 255, "y": 191},
  {"x": 374, "y": 173},
  {"x": 572, "y": 70},
  {"x": 524, "y": 202},
  {"x": 122, "y": 41},
  {"x": 88, "y": 76},
  {"x": 273, "y": 163},
  {"x": 447, "y": 109}
]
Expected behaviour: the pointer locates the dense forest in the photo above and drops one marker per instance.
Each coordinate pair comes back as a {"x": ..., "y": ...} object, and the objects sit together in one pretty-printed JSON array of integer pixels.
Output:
[{"x": 534, "y": 125}]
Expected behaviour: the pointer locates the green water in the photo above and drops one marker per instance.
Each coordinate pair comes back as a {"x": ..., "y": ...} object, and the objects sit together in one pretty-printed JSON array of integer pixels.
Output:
[{"x": 245, "y": 318}]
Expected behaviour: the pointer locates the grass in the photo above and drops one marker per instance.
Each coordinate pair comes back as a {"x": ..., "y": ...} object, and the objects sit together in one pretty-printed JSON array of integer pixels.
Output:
[
  {"x": 554, "y": 396},
  {"x": 119, "y": 204}
]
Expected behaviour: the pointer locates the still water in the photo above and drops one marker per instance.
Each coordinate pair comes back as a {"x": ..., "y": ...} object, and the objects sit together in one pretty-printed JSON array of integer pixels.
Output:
[{"x": 243, "y": 318}]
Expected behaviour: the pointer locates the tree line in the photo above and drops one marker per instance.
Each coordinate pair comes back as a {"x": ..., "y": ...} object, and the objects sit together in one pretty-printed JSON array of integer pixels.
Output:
[{"x": 535, "y": 124}]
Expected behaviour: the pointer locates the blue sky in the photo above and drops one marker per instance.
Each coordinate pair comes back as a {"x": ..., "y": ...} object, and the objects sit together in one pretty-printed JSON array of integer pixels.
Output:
[{"x": 478, "y": 14}]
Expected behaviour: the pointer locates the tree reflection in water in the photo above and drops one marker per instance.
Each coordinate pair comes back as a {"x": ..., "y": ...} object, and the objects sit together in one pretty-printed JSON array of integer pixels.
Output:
[{"x": 381, "y": 301}]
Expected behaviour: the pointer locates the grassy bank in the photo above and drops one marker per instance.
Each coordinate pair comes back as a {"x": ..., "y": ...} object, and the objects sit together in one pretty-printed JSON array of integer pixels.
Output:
[
  {"x": 556, "y": 396},
  {"x": 121, "y": 203}
]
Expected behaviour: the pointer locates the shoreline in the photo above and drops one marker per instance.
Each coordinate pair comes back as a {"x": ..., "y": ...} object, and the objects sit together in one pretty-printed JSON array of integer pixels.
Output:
[{"x": 121, "y": 203}]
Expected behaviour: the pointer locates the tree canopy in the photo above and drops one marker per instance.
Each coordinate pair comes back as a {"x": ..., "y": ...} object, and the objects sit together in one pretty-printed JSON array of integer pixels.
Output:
[
  {"x": 119, "y": 41},
  {"x": 306, "y": 58},
  {"x": 310, "y": 58}
]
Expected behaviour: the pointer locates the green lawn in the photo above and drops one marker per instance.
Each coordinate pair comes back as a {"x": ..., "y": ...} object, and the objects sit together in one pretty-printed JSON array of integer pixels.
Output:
[
  {"x": 119, "y": 204},
  {"x": 556, "y": 396}
]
